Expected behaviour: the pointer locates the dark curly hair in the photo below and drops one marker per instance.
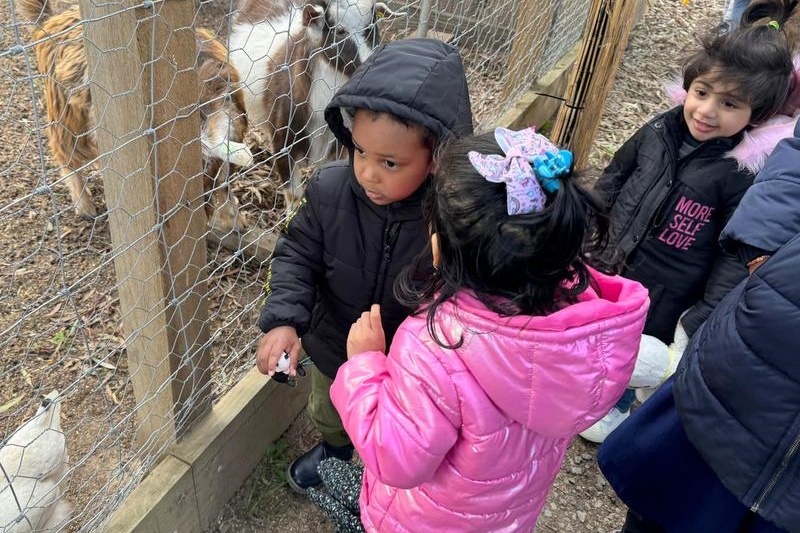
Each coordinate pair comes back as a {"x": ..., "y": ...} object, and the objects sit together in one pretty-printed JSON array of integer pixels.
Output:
[
  {"x": 756, "y": 59},
  {"x": 531, "y": 264}
]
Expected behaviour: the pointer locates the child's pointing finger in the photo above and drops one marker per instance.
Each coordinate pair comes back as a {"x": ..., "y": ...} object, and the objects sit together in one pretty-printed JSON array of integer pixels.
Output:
[{"x": 375, "y": 318}]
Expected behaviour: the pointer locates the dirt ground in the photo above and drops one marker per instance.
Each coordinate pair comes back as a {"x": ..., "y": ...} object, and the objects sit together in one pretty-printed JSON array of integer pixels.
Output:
[{"x": 75, "y": 344}]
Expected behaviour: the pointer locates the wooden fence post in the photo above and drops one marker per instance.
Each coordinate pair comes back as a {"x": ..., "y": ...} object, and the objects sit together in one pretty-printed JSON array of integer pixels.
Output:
[
  {"x": 532, "y": 25},
  {"x": 144, "y": 89},
  {"x": 604, "y": 41}
]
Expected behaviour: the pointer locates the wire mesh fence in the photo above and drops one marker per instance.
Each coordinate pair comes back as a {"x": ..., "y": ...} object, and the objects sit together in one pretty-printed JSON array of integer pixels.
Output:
[{"x": 148, "y": 165}]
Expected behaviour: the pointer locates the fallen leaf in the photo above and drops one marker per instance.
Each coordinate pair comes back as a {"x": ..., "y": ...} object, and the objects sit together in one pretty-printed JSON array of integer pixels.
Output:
[
  {"x": 27, "y": 376},
  {"x": 55, "y": 311},
  {"x": 111, "y": 395},
  {"x": 107, "y": 366},
  {"x": 11, "y": 403}
]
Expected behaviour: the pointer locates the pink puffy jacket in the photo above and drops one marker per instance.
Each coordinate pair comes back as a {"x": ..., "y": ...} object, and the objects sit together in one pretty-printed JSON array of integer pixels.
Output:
[{"x": 471, "y": 439}]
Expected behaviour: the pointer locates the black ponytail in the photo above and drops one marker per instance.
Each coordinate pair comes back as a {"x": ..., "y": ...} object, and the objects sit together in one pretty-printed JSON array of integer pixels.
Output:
[{"x": 530, "y": 264}]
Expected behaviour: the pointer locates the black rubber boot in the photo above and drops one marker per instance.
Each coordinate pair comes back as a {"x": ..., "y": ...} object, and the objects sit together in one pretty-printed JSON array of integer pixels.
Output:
[{"x": 302, "y": 473}]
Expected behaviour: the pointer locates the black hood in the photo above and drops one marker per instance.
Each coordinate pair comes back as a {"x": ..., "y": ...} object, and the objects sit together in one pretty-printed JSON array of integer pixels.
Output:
[{"x": 421, "y": 80}]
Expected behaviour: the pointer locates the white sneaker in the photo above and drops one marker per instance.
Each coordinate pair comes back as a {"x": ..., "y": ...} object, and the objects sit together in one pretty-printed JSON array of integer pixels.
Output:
[{"x": 603, "y": 427}]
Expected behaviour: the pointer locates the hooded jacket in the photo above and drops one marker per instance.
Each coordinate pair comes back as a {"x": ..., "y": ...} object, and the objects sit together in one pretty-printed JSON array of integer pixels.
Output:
[
  {"x": 667, "y": 213},
  {"x": 340, "y": 253},
  {"x": 470, "y": 439},
  {"x": 769, "y": 214},
  {"x": 737, "y": 391}
]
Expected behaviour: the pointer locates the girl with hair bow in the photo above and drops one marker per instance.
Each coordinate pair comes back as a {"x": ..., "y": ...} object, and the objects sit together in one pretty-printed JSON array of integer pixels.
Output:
[{"x": 515, "y": 347}]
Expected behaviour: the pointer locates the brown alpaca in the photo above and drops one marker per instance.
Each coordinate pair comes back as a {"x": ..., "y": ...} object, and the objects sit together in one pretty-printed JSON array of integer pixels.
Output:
[{"x": 61, "y": 57}]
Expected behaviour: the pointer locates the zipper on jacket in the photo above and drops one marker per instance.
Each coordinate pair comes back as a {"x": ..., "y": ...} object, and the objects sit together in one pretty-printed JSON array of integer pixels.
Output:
[
  {"x": 389, "y": 234},
  {"x": 774, "y": 479},
  {"x": 659, "y": 218},
  {"x": 630, "y": 227},
  {"x": 658, "y": 215},
  {"x": 660, "y": 197}
]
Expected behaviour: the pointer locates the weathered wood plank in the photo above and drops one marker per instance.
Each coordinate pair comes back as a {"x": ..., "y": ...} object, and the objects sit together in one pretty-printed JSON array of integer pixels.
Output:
[
  {"x": 605, "y": 39},
  {"x": 538, "y": 105},
  {"x": 188, "y": 489},
  {"x": 164, "y": 502},
  {"x": 225, "y": 447},
  {"x": 143, "y": 84},
  {"x": 533, "y": 20}
]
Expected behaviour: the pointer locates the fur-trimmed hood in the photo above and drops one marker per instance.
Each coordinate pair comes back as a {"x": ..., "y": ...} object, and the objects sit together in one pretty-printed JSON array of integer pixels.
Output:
[{"x": 756, "y": 145}]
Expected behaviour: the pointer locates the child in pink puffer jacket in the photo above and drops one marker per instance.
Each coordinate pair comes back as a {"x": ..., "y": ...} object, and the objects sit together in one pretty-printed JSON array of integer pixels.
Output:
[{"x": 516, "y": 347}]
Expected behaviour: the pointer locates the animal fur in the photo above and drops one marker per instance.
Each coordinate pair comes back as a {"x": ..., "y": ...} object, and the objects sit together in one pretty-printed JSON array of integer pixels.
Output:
[
  {"x": 35, "y": 467},
  {"x": 61, "y": 58},
  {"x": 293, "y": 58}
]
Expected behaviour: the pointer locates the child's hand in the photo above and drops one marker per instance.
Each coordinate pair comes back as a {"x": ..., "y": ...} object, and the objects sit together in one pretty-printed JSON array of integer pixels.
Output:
[
  {"x": 753, "y": 265},
  {"x": 366, "y": 334},
  {"x": 272, "y": 345}
]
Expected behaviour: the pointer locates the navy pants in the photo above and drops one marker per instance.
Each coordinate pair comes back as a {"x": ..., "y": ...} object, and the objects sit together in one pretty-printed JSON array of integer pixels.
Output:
[
  {"x": 750, "y": 524},
  {"x": 659, "y": 475}
]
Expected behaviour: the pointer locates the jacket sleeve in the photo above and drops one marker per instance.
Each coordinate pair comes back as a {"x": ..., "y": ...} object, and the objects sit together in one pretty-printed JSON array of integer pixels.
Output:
[
  {"x": 401, "y": 417},
  {"x": 617, "y": 172},
  {"x": 768, "y": 215},
  {"x": 726, "y": 272},
  {"x": 294, "y": 268}
]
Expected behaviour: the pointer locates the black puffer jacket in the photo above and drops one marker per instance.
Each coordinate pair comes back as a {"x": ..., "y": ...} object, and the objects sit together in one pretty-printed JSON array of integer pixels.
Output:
[
  {"x": 737, "y": 390},
  {"x": 341, "y": 253},
  {"x": 667, "y": 213}
]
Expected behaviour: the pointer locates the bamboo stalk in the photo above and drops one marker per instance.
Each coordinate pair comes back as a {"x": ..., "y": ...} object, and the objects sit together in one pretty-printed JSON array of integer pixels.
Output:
[{"x": 605, "y": 39}]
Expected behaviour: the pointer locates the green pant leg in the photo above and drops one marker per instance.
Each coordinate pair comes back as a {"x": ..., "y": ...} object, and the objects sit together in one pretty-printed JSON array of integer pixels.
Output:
[{"x": 322, "y": 412}]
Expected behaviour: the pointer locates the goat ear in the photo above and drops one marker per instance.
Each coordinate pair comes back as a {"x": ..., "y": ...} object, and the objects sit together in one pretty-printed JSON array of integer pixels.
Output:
[
  {"x": 382, "y": 11},
  {"x": 311, "y": 12}
]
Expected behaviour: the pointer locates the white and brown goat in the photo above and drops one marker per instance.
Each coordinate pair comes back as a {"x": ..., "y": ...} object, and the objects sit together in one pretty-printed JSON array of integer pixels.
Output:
[
  {"x": 61, "y": 58},
  {"x": 292, "y": 59}
]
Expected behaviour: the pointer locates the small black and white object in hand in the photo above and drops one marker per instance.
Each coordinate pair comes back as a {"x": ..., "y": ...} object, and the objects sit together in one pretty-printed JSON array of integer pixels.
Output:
[{"x": 283, "y": 362}]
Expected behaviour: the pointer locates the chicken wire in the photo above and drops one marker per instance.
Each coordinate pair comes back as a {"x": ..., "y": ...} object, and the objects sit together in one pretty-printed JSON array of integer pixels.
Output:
[{"x": 64, "y": 324}]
